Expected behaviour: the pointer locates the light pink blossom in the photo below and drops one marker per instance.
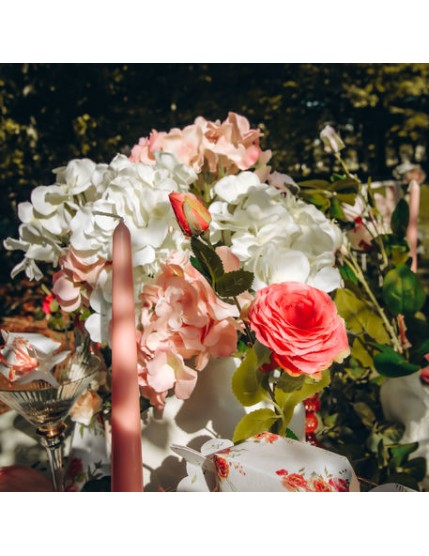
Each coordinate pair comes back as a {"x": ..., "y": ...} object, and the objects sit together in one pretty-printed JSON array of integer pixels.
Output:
[
  {"x": 88, "y": 404},
  {"x": 69, "y": 294},
  {"x": 228, "y": 146},
  {"x": 73, "y": 283},
  {"x": 79, "y": 269},
  {"x": 182, "y": 319},
  {"x": 19, "y": 357}
]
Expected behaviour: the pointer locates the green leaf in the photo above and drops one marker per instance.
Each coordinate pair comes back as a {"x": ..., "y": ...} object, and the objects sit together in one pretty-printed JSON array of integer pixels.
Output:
[
  {"x": 263, "y": 353},
  {"x": 365, "y": 413},
  {"x": 234, "y": 283},
  {"x": 400, "y": 452},
  {"x": 195, "y": 263},
  {"x": 390, "y": 364},
  {"x": 288, "y": 400},
  {"x": 346, "y": 186},
  {"x": 247, "y": 380},
  {"x": 336, "y": 210},
  {"x": 348, "y": 198},
  {"x": 359, "y": 316},
  {"x": 402, "y": 291},
  {"x": 315, "y": 184},
  {"x": 288, "y": 383},
  {"x": 347, "y": 273},
  {"x": 316, "y": 198},
  {"x": 360, "y": 353},
  {"x": 399, "y": 254},
  {"x": 209, "y": 261},
  {"x": 400, "y": 218},
  {"x": 290, "y": 434},
  {"x": 260, "y": 420},
  {"x": 420, "y": 350}
]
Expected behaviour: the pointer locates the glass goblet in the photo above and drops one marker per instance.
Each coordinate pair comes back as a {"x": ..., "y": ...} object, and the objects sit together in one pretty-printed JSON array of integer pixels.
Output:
[{"x": 46, "y": 406}]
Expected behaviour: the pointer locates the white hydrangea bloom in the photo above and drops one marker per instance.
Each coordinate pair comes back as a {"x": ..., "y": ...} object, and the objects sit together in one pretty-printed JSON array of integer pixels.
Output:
[
  {"x": 82, "y": 209},
  {"x": 275, "y": 235}
]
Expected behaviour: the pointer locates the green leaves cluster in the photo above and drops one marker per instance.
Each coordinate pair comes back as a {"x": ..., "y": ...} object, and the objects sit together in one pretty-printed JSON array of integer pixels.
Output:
[
  {"x": 329, "y": 196},
  {"x": 251, "y": 386},
  {"x": 354, "y": 426},
  {"x": 384, "y": 307},
  {"x": 226, "y": 284}
]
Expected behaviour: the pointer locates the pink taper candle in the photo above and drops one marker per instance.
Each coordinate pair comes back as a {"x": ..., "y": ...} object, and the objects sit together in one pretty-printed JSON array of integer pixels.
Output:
[
  {"x": 126, "y": 459},
  {"x": 412, "y": 230}
]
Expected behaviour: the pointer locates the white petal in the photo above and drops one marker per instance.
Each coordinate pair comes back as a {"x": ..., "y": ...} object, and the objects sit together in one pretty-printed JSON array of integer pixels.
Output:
[
  {"x": 39, "y": 202},
  {"x": 25, "y": 212},
  {"x": 98, "y": 328},
  {"x": 144, "y": 256},
  {"x": 292, "y": 266},
  {"x": 327, "y": 280},
  {"x": 231, "y": 188}
]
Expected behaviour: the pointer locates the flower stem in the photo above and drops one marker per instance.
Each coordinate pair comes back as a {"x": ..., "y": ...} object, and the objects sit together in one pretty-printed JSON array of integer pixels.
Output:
[
  {"x": 359, "y": 274},
  {"x": 246, "y": 326}
]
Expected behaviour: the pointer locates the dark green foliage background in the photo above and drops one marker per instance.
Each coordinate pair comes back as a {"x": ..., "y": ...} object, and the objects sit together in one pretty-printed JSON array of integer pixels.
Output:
[{"x": 51, "y": 113}]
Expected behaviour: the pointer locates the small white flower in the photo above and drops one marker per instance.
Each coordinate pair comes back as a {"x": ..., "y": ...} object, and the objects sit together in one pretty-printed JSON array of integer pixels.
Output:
[{"x": 332, "y": 141}]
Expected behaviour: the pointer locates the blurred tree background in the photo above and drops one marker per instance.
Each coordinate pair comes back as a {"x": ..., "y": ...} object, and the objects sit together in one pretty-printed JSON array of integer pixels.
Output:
[{"x": 51, "y": 113}]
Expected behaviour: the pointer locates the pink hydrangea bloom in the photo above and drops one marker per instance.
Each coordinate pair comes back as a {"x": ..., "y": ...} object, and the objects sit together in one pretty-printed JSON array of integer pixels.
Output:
[
  {"x": 73, "y": 283},
  {"x": 182, "y": 319},
  {"x": 231, "y": 145},
  {"x": 79, "y": 269}
]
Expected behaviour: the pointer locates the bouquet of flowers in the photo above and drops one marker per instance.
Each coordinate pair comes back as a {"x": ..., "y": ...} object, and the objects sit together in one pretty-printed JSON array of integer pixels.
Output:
[{"x": 303, "y": 281}]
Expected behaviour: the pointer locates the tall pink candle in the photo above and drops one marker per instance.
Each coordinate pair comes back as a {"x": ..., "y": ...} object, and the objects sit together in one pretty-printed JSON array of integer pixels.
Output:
[
  {"x": 412, "y": 230},
  {"x": 126, "y": 458}
]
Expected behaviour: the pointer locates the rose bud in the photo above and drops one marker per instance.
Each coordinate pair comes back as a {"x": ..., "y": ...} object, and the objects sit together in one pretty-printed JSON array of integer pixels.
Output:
[{"x": 192, "y": 216}]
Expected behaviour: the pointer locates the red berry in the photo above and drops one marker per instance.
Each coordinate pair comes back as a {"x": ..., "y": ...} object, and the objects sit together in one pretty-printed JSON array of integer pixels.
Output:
[
  {"x": 312, "y": 439},
  {"x": 311, "y": 423},
  {"x": 312, "y": 405}
]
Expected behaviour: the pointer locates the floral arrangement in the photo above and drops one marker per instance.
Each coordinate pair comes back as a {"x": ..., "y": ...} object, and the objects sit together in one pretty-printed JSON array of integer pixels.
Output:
[{"x": 309, "y": 283}]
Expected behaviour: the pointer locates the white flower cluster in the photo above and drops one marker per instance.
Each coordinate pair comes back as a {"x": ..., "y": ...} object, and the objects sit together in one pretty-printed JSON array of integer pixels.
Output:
[
  {"x": 275, "y": 235},
  {"x": 70, "y": 224}
]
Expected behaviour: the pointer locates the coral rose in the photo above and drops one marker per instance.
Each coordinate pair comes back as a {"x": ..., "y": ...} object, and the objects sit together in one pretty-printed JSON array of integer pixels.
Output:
[
  {"x": 294, "y": 482},
  {"x": 300, "y": 325},
  {"x": 318, "y": 484}
]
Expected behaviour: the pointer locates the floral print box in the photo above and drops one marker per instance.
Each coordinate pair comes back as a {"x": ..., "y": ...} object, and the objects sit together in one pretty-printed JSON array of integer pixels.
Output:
[{"x": 267, "y": 462}]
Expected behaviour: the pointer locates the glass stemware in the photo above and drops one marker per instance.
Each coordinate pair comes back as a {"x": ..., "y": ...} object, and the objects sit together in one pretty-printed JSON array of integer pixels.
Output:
[{"x": 46, "y": 406}]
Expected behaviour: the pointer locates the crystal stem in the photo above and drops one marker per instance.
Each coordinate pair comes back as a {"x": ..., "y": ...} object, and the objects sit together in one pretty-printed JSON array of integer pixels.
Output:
[{"x": 52, "y": 440}]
